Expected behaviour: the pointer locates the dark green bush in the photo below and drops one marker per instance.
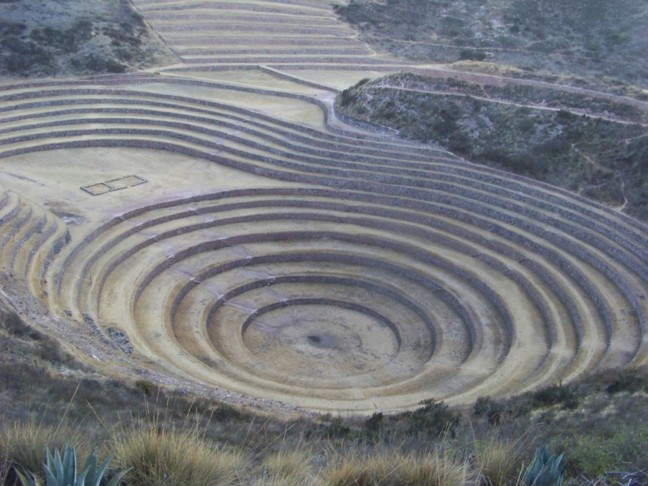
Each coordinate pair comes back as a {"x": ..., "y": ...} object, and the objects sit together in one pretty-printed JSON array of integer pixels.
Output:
[
  {"x": 489, "y": 408},
  {"x": 336, "y": 429},
  {"x": 433, "y": 419},
  {"x": 145, "y": 387},
  {"x": 564, "y": 395},
  {"x": 372, "y": 426},
  {"x": 472, "y": 54},
  {"x": 16, "y": 327},
  {"x": 628, "y": 381}
]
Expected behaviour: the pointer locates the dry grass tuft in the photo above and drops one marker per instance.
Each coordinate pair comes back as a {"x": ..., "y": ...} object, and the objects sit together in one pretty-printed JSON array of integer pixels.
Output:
[
  {"x": 154, "y": 455},
  {"x": 5, "y": 468},
  {"x": 287, "y": 468},
  {"x": 397, "y": 469},
  {"x": 434, "y": 469},
  {"x": 24, "y": 444},
  {"x": 499, "y": 461},
  {"x": 356, "y": 471}
]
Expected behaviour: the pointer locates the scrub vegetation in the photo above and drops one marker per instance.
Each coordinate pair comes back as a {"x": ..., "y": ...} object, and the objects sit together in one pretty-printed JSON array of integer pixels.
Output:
[
  {"x": 591, "y": 38},
  {"x": 75, "y": 37},
  {"x": 159, "y": 437},
  {"x": 594, "y": 146}
]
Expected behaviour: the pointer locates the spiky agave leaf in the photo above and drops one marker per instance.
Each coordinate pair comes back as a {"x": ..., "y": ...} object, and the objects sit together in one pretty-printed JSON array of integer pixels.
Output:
[
  {"x": 62, "y": 471},
  {"x": 26, "y": 478},
  {"x": 95, "y": 475},
  {"x": 544, "y": 470}
]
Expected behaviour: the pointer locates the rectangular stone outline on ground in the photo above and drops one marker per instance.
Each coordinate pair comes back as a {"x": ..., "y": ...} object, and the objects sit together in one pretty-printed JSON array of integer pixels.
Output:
[{"x": 114, "y": 185}]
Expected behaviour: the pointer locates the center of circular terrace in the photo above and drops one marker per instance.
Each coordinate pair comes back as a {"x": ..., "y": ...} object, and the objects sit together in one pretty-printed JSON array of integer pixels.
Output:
[{"x": 319, "y": 342}]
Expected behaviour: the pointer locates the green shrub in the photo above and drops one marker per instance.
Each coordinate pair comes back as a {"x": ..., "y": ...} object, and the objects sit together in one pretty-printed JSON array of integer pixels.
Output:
[
  {"x": 433, "y": 419},
  {"x": 629, "y": 381},
  {"x": 372, "y": 426},
  {"x": 489, "y": 408},
  {"x": 472, "y": 54},
  {"x": 347, "y": 97},
  {"x": 591, "y": 455},
  {"x": 558, "y": 394},
  {"x": 588, "y": 456},
  {"x": 225, "y": 412},
  {"x": 336, "y": 429},
  {"x": 44, "y": 347},
  {"x": 145, "y": 387},
  {"x": 15, "y": 326}
]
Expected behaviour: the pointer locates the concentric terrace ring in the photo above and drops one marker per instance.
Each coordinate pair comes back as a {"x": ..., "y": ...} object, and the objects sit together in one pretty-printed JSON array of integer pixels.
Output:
[{"x": 365, "y": 273}]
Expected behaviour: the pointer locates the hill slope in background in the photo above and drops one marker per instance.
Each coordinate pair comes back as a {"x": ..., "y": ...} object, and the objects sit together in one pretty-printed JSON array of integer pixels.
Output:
[
  {"x": 45, "y": 37},
  {"x": 592, "y": 38},
  {"x": 590, "y": 146}
]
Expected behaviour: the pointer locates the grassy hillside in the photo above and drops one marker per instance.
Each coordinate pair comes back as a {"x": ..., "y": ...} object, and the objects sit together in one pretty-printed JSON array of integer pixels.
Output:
[
  {"x": 43, "y": 37},
  {"x": 582, "y": 37},
  {"x": 48, "y": 399},
  {"x": 590, "y": 146}
]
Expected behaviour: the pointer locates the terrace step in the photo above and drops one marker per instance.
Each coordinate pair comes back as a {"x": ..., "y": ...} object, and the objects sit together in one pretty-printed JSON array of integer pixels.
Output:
[
  {"x": 463, "y": 271},
  {"x": 140, "y": 238},
  {"x": 30, "y": 237}
]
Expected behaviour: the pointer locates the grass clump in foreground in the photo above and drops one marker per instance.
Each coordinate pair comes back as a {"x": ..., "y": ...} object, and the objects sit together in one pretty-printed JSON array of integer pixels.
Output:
[
  {"x": 157, "y": 437},
  {"x": 151, "y": 454},
  {"x": 159, "y": 452},
  {"x": 390, "y": 468},
  {"x": 499, "y": 461},
  {"x": 23, "y": 445},
  {"x": 287, "y": 467}
]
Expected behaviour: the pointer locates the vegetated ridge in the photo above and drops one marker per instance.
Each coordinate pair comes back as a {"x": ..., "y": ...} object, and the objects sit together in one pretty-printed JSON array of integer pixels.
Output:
[
  {"x": 588, "y": 145},
  {"x": 580, "y": 37},
  {"x": 49, "y": 399},
  {"x": 46, "y": 38}
]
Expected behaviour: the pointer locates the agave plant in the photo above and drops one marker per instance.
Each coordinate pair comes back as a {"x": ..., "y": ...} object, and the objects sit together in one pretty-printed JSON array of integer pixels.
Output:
[
  {"x": 544, "y": 470},
  {"x": 62, "y": 471}
]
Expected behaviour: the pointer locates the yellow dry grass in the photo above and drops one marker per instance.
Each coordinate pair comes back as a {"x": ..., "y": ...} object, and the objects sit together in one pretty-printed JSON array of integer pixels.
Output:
[
  {"x": 286, "y": 462},
  {"x": 398, "y": 469},
  {"x": 154, "y": 455},
  {"x": 499, "y": 461},
  {"x": 24, "y": 444},
  {"x": 287, "y": 467}
]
